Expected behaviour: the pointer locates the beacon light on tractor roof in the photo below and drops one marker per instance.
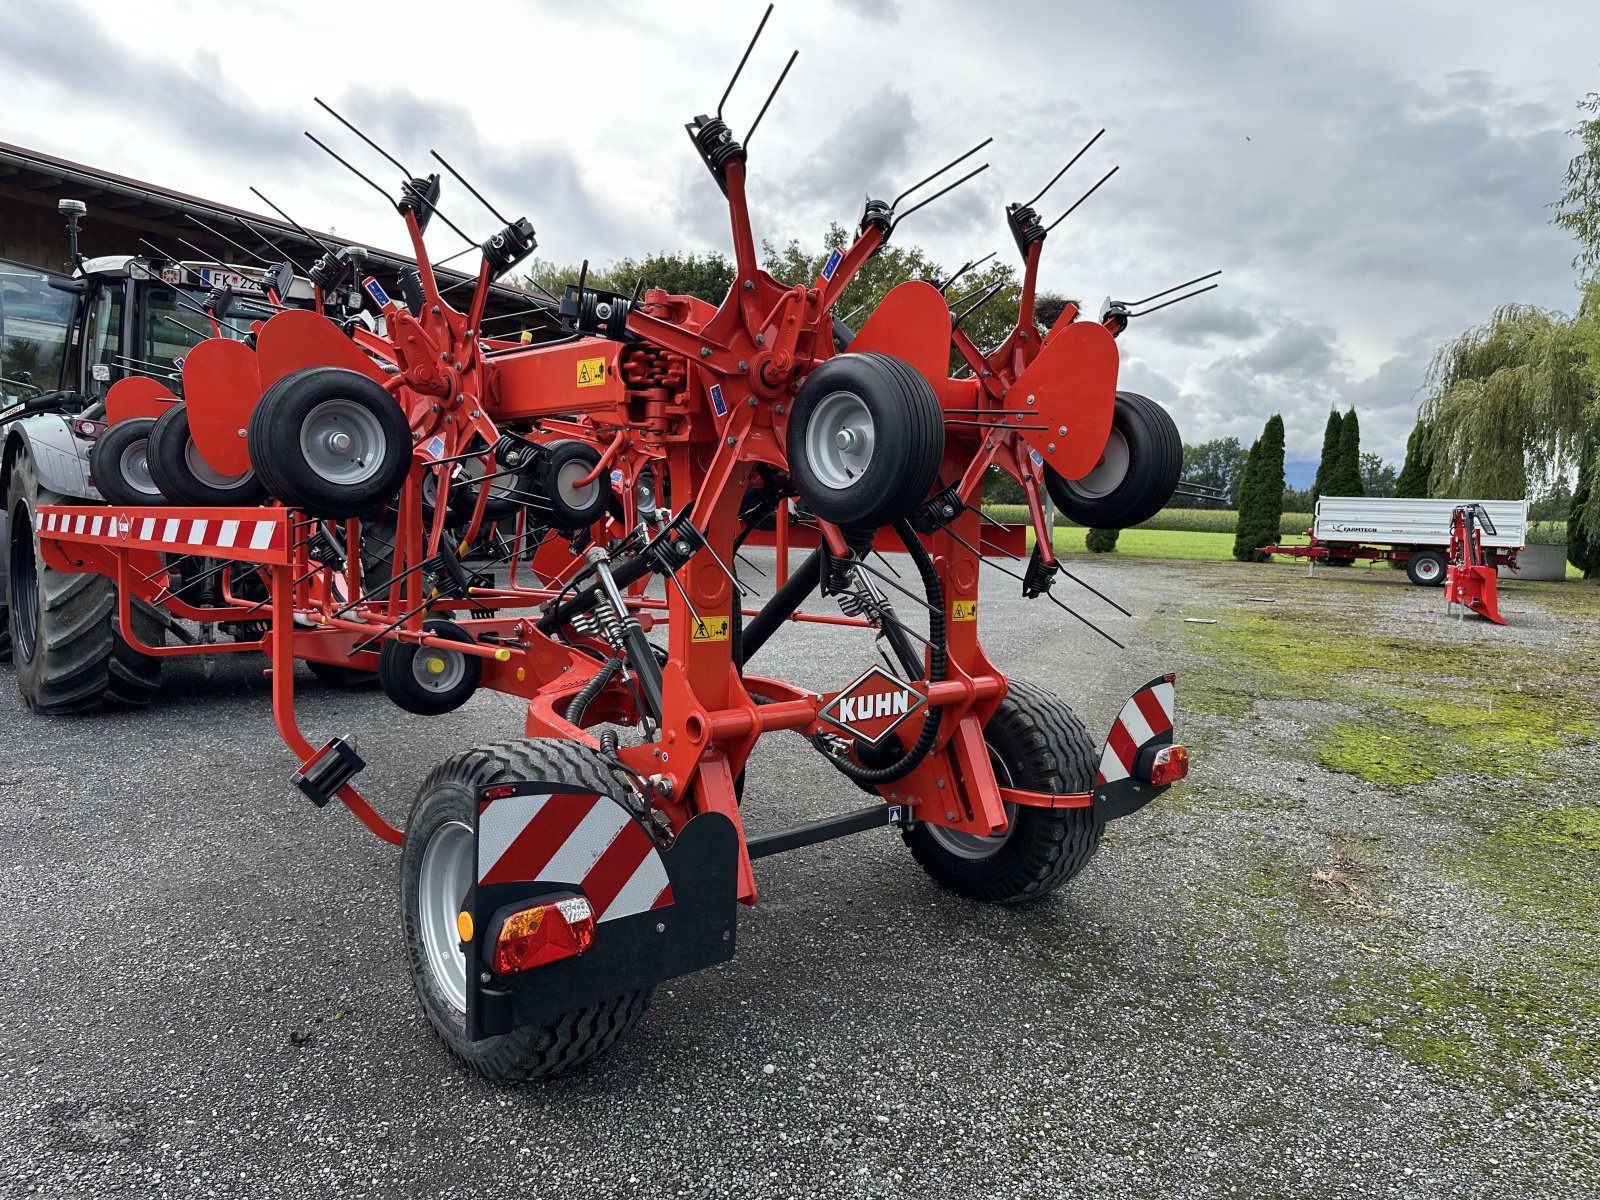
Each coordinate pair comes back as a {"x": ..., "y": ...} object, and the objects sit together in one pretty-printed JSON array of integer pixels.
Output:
[{"x": 541, "y": 933}]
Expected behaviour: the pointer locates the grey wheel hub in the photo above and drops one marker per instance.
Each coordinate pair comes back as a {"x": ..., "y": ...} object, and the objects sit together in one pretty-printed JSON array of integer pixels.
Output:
[
  {"x": 343, "y": 442},
  {"x": 840, "y": 439},
  {"x": 1108, "y": 476},
  {"x": 437, "y": 670},
  {"x": 206, "y": 474},
  {"x": 134, "y": 467},
  {"x": 442, "y": 889},
  {"x": 969, "y": 845}
]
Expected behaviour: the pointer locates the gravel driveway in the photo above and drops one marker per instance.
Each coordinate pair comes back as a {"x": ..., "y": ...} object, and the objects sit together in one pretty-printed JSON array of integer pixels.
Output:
[{"x": 1288, "y": 979}]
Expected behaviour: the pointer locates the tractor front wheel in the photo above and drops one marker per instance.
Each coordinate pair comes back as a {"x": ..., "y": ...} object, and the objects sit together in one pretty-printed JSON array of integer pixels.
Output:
[
  {"x": 436, "y": 872},
  {"x": 1037, "y": 743}
]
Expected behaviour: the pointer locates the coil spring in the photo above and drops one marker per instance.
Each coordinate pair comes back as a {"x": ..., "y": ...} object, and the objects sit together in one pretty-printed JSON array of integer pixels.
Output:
[{"x": 646, "y": 367}]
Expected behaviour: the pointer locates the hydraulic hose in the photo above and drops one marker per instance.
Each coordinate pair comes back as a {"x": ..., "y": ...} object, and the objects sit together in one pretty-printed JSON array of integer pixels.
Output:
[{"x": 596, "y": 685}]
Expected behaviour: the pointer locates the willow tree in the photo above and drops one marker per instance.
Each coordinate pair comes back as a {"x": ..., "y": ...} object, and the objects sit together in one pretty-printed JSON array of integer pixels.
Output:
[{"x": 1513, "y": 397}]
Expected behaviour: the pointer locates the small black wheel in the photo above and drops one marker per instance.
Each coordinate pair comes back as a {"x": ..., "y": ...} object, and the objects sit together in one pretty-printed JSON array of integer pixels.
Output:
[
  {"x": 1426, "y": 568},
  {"x": 119, "y": 463},
  {"x": 553, "y": 487},
  {"x": 330, "y": 442},
  {"x": 429, "y": 680},
  {"x": 865, "y": 440},
  {"x": 184, "y": 476},
  {"x": 436, "y": 866},
  {"x": 1136, "y": 475},
  {"x": 1035, "y": 742}
]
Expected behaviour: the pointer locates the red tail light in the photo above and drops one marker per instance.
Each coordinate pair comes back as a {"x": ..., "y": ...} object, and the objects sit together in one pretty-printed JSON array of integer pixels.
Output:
[
  {"x": 1170, "y": 764},
  {"x": 543, "y": 933}
]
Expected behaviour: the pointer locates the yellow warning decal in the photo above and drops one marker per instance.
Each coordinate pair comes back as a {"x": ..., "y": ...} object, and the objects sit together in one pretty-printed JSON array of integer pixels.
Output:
[
  {"x": 710, "y": 629},
  {"x": 591, "y": 372},
  {"x": 964, "y": 610}
]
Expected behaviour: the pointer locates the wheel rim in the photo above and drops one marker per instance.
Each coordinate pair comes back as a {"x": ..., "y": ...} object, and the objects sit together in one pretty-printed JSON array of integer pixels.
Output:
[
  {"x": 840, "y": 439},
  {"x": 1428, "y": 568},
  {"x": 343, "y": 442},
  {"x": 134, "y": 466},
  {"x": 969, "y": 845},
  {"x": 446, "y": 876},
  {"x": 502, "y": 488},
  {"x": 204, "y": 472},
  {"x": 1107, "y": 477},
  {"x": 438, "y": 671},
  {"x": 576, "y": 496},
  {"x": 24, "y": 586}
]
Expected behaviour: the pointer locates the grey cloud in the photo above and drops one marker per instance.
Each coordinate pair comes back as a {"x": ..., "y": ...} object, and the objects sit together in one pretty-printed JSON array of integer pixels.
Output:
[
  {"x": 1202, "y": 323},
  {"x": 886, "y": 11}
]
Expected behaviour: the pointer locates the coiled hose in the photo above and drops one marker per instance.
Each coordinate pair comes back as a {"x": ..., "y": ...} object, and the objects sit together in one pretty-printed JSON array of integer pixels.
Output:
[{"x": 596, "y": 685}]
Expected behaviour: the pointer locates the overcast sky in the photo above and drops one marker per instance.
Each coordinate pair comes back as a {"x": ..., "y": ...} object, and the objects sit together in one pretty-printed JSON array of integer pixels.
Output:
[{"x": 1372, "y": 178}]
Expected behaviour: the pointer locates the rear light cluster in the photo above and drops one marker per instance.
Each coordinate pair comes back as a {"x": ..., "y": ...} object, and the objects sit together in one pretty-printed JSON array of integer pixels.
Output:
[
  {"x": 89, "y": 429},
  {"x": 543, "y": 933},
  {"x": 1170, "y": 764}
]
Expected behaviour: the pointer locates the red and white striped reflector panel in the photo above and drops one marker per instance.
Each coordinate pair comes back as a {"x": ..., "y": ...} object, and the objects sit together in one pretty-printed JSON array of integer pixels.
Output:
[
  {"x": 1144, "y": 718},
  {"x": 250, "y": 534},
  {"x": 575, "y": 838}
]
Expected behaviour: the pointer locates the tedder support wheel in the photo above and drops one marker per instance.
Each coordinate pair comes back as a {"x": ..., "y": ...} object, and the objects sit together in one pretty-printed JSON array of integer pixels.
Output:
[
  {"x": 436, "y": 866},
  {"x": 1035, "y": 742},
  {"x": 553, "y": 490},
  {"x": 184, "y": 476},
  {"x": 1425, "y": 568},
  {"x": 429, "y": 680},
  {"x": 119, "y": 463},
  {"x": 330, "y": 442},
  {"x": 70, "y": 655},
  {"x": 865, "y": 440},
  {"x": 1136, "y": 475}
]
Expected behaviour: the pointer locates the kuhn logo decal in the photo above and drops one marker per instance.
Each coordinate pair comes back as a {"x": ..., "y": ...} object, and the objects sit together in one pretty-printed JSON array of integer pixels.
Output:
[{"x": 872, "y": 706}]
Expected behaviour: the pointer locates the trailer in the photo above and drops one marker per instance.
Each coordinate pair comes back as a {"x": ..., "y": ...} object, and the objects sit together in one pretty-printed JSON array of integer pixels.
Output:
[{"x": 1413, "y": 532}]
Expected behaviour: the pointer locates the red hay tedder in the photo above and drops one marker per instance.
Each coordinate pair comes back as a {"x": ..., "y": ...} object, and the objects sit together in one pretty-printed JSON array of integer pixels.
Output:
[{"x": 550, "y": 883}]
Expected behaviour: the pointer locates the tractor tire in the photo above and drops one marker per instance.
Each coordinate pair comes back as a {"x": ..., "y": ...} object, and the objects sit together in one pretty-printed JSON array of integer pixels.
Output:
[
  {"x": 425, "y": 679},
  {"x": 865, "y": 440},
  {"x": 1426, "y": 568},
  {"x": 552, "y": 490},
  {"x": 1035, "y": 742},
  {"x": 442, "y": 819},
  {"x": 68, "y": 649},
  {"x": 1136, "y": 476},
  {"x": 330, "y": 442},
  {"x": 183, "y": 474},
  {"x": 119, "y": 464}
]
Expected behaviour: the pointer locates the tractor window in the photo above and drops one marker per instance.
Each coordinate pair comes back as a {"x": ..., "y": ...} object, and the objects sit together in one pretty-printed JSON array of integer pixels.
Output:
[
  {"x": 35, "y": 320},
  {"x": 173, "y": 327},
  {"x": 103, "y": 363}
]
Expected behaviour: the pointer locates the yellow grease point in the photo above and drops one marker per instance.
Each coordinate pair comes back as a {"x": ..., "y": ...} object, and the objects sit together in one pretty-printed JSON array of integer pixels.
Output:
[
  {"x": 435, "y": 666},
  {"x": 502, "y": 655},
  {"x": 464, "y": 925}
]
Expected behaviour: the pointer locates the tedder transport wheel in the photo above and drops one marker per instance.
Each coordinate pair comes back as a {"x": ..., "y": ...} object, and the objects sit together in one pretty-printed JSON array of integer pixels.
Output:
[
  {"x": 1035, "y": 742},
  {"x": 330, "y": 442},
  {"x": 119, "y": 463},
  {"x": 1137, "y": 474},
  {"x": 429, "y": 680},
  {"x": 69, "y": 653},
  {"x": 1425, "y": 568},
  {"x": 184, "y": 476},
  {"x": 554, "y": 491},
  {"x": 435, "y": 871},
  {"x": 865, "y": 440}
]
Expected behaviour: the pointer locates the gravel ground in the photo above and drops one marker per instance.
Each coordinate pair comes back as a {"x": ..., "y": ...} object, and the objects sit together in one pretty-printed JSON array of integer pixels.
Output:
[{"x": 204, "y": 992}]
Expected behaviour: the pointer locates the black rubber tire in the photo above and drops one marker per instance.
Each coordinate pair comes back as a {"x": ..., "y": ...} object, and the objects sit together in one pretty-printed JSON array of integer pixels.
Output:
[
  {"x": 171, "y": 454},
  {"x": 908, "y": 445},
  {"x": 506, "y": 496},
  {"x": 1036, "y": 740},
  {"x": 107, "y": 460},
  {"x": 450, "y": 793},
  {"x": 279, "y": 458},
  {"x": 1154, "y": 463},
  {"x": 69, "y": 652},
  {"x": 397, "y": 667},
  {"x": 1426, "y": 568},
  {"x": 556, "y": 503}
]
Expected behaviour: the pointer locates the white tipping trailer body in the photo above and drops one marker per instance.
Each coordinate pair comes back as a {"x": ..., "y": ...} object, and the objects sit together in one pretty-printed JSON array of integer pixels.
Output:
[{"x": 1374, "y": 521}]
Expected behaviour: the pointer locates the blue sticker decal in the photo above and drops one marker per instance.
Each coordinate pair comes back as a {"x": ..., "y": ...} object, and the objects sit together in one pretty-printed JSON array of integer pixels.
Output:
[
  {"x": 717, "y": 401},
  {"x": 616, "y": 478},
  {"x": 375, "y": 290},
  {"x": 1038, "y": 459},
  {"x": 832, "y": 265},
  {"x": 434, "y": 447},
  {"x": 178, "y": 362}
]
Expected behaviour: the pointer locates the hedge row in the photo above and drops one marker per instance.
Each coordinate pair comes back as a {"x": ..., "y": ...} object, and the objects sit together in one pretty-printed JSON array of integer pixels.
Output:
[{"x": 1175, "y": 520}]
